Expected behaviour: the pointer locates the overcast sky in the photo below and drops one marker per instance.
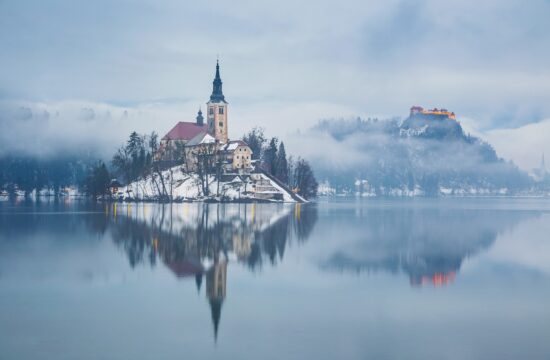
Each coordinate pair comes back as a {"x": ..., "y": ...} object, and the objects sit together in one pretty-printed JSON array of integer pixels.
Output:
[{"x": 97, "y": 69}]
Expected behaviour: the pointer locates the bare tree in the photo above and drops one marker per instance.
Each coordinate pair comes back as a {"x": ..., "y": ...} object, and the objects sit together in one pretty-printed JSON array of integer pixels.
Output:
[
  {"x": 205, "y": 157},
  {"x": 219, "y": 159},
  {"x": 304, "y": 179}
]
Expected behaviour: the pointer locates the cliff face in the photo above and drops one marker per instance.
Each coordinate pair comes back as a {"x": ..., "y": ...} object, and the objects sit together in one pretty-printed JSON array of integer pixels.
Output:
[{"x": 433, "y": 127}]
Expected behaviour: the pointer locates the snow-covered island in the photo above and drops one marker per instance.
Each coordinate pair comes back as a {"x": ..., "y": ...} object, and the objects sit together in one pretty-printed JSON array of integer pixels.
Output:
[
  {"x": 194, "y": 161},
  {"x": 178, "y": 186},
  {"x": 197, "y": 161}
]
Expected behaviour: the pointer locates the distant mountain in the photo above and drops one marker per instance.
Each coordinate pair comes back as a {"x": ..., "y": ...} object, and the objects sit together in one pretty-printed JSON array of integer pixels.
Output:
[{"x": 426, "y": 154}]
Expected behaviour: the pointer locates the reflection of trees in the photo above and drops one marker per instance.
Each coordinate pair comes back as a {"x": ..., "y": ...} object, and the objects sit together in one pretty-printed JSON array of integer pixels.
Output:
[
  {"x": 427, "y": 244},
  {"x": 272, "y": 241},
  {"x": 209, "y": 235},
  {"x": 200, "y": 243}
]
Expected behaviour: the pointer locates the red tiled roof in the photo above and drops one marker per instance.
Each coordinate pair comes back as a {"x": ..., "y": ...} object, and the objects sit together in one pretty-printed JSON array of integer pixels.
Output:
[
  {"x": 184, "y": 131},
  {"x": 185, "y": 267}
]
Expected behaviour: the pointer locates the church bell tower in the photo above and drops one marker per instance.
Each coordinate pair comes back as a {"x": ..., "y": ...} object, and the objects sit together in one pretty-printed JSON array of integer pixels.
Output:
[{"x": 217, "y": 110}]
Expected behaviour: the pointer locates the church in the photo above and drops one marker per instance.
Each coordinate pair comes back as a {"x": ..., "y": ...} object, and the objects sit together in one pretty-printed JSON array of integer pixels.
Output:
[{"x": 186, "y": 141}]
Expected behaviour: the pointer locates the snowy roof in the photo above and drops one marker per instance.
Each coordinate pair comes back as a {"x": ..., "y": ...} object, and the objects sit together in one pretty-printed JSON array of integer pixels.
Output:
[
  {"x": 184, "y": 131},
  {"x": 233, "y": 145},
  {"x": 201, "y": 138}
]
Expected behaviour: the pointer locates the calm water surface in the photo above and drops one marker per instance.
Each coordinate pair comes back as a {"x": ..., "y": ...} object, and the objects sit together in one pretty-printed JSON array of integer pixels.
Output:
[{"x": 367, "y": 279}]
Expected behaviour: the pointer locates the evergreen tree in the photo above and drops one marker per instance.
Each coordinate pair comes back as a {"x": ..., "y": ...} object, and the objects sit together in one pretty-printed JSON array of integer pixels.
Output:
[
  {"x": 134, "y": 144},
  {"x": 290, "y": 171},
  {"x": 255, "y": 140},
  {"x": 281, "y": 164},
  {"x": 133, "y": 161},
  {"x": 98, "y": 180},
  {"x": 270, "y": 156}
]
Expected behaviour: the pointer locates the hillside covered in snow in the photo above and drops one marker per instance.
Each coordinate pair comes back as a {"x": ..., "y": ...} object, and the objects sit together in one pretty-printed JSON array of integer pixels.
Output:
[
  {"x": 420, "y": 156},
  {"x": 176, "y": 185}
]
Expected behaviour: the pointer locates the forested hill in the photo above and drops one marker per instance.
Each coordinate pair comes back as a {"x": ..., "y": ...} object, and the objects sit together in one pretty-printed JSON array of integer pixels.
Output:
[{"x": 422, "y": 155}]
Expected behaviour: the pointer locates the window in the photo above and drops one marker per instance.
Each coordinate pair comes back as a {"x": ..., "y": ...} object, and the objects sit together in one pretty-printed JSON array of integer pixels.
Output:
[
  {"x": 220, "y": 123},
  {"x": 211, "y": 111},
  {"x": 220, "y": 110}
]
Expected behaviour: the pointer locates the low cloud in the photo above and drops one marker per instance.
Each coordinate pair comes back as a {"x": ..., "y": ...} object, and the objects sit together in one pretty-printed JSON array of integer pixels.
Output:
[
  {"x": 51, "y": 129},
  {"x": 524, "y": 145}
]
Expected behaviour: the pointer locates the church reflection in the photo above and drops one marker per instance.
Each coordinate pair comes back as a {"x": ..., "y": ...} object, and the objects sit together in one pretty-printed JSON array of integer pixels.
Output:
[
  {"x": 199, "y": 241},
  {"x": 429, "y": 245}
]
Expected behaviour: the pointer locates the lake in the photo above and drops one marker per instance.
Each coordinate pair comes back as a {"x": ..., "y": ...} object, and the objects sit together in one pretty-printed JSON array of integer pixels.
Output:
[{"x": 339, "y": 279}]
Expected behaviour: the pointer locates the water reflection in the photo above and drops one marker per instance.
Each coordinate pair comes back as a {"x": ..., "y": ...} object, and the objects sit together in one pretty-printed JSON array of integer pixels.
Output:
[
  {"x": 198, "y": 241},
  {"x": 122, "y": 280},
  {"x": 429, "y": 245}
]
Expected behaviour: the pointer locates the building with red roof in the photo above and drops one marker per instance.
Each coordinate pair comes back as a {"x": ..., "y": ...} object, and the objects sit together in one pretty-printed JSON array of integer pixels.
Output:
[
  {"x": 184, "y": 131},
  {"x": 186, "y": 139}
]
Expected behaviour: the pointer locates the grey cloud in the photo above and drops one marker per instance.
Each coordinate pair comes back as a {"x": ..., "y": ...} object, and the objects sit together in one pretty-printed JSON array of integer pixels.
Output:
[{"x": 484, "y": 60}]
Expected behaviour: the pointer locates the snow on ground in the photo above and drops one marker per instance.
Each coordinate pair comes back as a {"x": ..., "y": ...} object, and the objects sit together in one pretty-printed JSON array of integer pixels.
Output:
[
  {"x": 286, "y": 196},
  {"x": 188, "y": 187}
]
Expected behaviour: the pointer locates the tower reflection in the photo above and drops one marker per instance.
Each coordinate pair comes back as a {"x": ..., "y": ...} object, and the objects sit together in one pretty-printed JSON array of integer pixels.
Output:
[
  {"x": 200, "y": 241},
  {"x": 216, "y": 282}
]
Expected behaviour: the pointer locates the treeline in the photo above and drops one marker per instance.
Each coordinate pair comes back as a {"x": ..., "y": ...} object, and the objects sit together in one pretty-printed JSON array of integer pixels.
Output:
[
  {"x": 22, "y": 173},
  {"x": 133, "y": 161},
  {"x": 294, "y": 172}
]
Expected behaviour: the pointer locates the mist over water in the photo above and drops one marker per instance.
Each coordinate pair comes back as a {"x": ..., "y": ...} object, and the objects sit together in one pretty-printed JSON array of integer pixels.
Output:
[{"x": 392, "y": 278}]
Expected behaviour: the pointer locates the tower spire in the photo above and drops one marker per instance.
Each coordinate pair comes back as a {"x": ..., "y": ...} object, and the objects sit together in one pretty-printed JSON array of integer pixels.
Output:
[
  {"x": 200, "y": 118},
  {"x": 216, "y": 312},
  {"x": 198, "y": 281},
  {"x": 217, "y": 109},
  {"x": 217, "y": 93}
]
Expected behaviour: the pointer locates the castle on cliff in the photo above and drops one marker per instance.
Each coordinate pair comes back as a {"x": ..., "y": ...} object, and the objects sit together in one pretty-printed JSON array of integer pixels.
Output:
[{"x": 444, "y": 113}]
